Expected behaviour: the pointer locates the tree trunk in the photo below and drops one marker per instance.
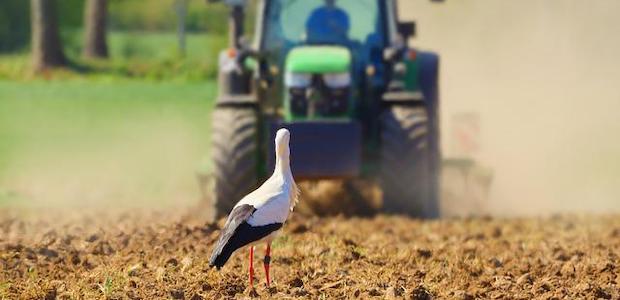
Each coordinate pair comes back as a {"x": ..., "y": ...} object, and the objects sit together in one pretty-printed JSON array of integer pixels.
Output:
[
  {"x": 181, "y": 10},
  {"x": 46, "y": 46},
  {"x": 95, "y": 14}
]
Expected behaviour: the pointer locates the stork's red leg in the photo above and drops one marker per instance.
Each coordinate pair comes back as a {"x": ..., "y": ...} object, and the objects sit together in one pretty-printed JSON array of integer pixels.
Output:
[
  {"x": 266, "y": 263},
  {"x": 251, "y": 266}
]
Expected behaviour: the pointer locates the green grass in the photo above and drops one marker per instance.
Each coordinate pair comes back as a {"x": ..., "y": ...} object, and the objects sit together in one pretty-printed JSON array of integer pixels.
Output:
[
  {"x": 148, "y": 55},
  {"x": 98, "y": 140},
  {"x": 130, "y": 129}
]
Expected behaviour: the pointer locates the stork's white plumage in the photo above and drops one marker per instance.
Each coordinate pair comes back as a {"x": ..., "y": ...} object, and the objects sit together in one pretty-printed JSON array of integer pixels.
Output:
[{"x": 261, "y": 214}]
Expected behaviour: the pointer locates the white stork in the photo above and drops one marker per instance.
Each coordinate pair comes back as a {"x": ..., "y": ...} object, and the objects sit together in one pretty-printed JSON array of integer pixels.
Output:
[{"x": 261, "y": 214}]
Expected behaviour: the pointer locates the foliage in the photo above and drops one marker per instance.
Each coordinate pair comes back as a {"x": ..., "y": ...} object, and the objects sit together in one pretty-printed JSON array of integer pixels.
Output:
[
  {"x": 132, "y": 54},
  {"x": 159, "y": 15},
  {"x": 14, "y": 24},
  {"x": 124, "y": 15},
  {"x": 15, "y": 21},
  {"x": 70, "y": 13}
]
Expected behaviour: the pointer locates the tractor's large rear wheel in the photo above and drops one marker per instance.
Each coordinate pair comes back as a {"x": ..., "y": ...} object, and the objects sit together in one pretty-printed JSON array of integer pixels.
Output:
[
  {"x": 234, "y": 153},
  {"x": 406, "y": 168}
]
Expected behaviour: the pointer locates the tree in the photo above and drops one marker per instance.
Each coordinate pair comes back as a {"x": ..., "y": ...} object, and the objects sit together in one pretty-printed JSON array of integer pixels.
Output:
[
  {"x": 46, "y": 46},
  {"x": 95, "y": 15},
  {"x": 180, "y": 7}
]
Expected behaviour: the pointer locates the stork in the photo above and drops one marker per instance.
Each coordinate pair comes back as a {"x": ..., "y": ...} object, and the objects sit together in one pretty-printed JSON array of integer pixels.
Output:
[{"x": 260, "y": 215}]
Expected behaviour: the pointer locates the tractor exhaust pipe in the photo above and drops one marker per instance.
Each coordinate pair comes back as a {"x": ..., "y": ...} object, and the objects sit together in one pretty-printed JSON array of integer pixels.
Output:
[
  {"x": 235, "y": 20},
  {"x": 236, "y": 26}
]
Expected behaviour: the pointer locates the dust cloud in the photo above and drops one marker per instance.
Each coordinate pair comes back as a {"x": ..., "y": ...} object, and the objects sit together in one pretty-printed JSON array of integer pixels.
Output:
[{"x": 544, "y": 77}]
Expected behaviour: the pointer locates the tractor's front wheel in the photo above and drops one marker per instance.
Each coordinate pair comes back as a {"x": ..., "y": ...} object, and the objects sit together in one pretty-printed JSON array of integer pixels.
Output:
[
  {"x": 234, "y": 148},
  {"x": 406, "y": 169}
]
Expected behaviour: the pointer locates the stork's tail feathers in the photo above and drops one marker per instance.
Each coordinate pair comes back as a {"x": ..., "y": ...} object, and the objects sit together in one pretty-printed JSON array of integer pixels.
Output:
[
  {"x": 295, "y": 192},
  {"x": 218, "y": 261}
]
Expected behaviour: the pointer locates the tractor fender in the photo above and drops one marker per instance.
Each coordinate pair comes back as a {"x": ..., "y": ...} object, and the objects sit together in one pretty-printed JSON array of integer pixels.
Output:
[
  {"x": 234, "y": 82},
  {"x": 428, "y": 83},
  {"x": 428, "y": 78}
]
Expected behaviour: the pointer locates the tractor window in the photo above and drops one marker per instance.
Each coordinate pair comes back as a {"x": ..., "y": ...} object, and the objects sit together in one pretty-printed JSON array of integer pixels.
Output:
[{"x": 293, "y": 22}]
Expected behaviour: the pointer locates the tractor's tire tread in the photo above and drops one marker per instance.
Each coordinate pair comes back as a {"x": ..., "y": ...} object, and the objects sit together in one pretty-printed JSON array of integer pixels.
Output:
[
  {"x": 234, "y": 153},
  {"x": 405, "y": 162}
]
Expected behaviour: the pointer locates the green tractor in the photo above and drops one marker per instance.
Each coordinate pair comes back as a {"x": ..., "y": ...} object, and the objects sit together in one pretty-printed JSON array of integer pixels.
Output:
[{"x": 339, "y": 75}]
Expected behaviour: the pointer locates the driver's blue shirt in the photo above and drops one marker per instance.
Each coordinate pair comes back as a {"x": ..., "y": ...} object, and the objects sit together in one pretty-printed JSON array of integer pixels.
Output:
[{"x": 327, "y": 25}]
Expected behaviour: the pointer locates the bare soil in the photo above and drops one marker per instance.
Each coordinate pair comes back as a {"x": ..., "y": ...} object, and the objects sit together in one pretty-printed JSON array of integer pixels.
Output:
[{"x": 150, "y": 255}]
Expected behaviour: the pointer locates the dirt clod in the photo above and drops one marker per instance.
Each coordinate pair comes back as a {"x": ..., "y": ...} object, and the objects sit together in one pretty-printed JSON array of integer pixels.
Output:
[
  {"x": 48, "y": 252},
  {"x": 299, "y": 228},
  {"x": 296, "y": 283},
  {"x": 393, "y": 293},
  {"x": 421, "y": 293},
  {"x": 102, "y": 248},
  {"x": 91, "y": 238},
  {"x": 206, "y": 287},
  {"x": 524, "y": 279},
  {"x": 177, "y": 294},
  {"x": 601, "y": 293},
  {"x": 75, "y": 259},
  {"x": 495, "y": 262},
  {"x": 374, "y": 293},
  {"x": 196, "y": 297},
  {"x": 425, "y": 253},
  {"x": 172, "y": 262}
]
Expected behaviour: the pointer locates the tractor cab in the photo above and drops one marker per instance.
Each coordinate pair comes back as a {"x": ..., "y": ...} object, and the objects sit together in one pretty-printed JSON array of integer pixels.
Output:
[{"x": 324, "y": 48}]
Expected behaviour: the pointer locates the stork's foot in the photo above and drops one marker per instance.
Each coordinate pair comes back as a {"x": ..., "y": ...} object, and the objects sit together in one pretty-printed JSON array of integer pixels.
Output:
[
  {"x": 251, "y": 291},
  {"x": 272, "y": 290}
]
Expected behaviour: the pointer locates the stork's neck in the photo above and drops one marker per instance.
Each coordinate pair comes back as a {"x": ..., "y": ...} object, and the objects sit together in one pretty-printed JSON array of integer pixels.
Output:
[
  {"x": 283, "y": 163},
  {"x": 283, "y": 166},
  {"x": 282, "y": 173}
]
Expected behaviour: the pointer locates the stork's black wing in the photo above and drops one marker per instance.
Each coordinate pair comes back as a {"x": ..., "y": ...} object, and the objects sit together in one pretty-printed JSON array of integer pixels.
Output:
[{"x": 238, "y": 233}]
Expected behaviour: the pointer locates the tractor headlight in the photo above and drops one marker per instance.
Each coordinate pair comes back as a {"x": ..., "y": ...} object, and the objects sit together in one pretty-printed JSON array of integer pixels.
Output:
[
  {"x": 298, "y": 101},
  {"x": 324, "y": 94},
  {"x": 297, "y": 83},
  {"x": 337, "y": 80},
  {"x": 297, "y": 80}
]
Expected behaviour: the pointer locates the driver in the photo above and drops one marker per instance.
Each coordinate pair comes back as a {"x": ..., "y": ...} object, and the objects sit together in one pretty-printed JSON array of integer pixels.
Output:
[{"x": 328, "y": 24}]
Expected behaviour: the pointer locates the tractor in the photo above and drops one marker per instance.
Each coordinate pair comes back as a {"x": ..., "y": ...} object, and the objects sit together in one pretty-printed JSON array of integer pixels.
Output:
[{"x": 358, "y": 101}]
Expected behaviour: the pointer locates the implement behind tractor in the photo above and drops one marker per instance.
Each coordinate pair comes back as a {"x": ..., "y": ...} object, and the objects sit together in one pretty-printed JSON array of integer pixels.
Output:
[{"x": 339, "y": 75}]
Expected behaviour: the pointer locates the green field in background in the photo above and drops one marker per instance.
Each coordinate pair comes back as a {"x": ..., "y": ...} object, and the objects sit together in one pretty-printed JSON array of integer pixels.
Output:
[
  {"x": 160, "y": 128},
  {"x": 133, "y": 128},
  {"x": 149, "y": 55}
]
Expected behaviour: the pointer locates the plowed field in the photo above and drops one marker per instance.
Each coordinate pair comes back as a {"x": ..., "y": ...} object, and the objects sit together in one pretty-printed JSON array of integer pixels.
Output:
[{"x": 148, "y": 255}]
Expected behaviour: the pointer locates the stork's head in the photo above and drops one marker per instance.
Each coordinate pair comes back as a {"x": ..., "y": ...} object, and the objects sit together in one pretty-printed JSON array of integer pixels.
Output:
[{"x": 283, "y": 136}]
